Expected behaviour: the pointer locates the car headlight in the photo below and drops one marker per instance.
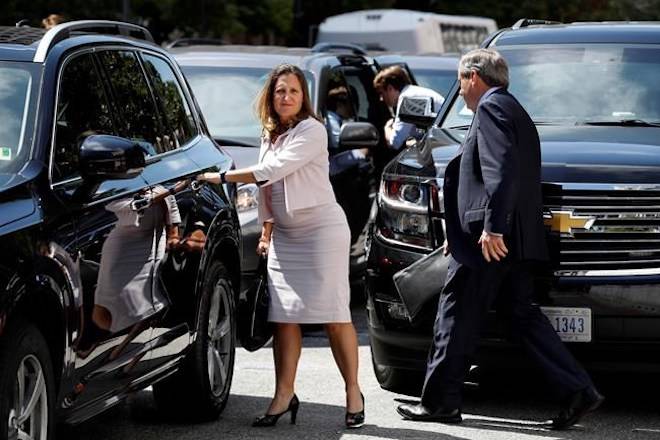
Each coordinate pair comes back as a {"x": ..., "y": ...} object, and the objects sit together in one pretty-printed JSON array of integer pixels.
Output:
[
  {"x": 247, "y": 197},
  {"x": 404, "y": 208}
]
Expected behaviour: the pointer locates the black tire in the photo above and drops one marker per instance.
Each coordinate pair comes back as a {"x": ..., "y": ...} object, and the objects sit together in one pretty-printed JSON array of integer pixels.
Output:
[
  {"x": 197, "y": 392},
  {"x": 23, "y": 350},
  {"x": 398, "y": 380}
]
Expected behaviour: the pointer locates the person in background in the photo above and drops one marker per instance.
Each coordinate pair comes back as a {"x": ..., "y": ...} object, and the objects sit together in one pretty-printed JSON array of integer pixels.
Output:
[
  {"x": 306, "y": 237},
  {"x": 340, "y": 110},
  {"x": 392, "y": 84},
  {"x": 52, "y": 20},
  {"x": 495, "y": 238}
]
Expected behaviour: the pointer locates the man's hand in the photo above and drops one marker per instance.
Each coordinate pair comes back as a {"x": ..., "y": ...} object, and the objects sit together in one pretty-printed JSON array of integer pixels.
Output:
[
  {"x": 172, "y": 240},
  {"x": 492, "y": 246},
  {"x": 445, "y": 248}
]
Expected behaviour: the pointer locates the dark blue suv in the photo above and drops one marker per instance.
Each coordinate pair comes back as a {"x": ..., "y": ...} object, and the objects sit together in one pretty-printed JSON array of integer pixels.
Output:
[{"x": 117, "y": 272}]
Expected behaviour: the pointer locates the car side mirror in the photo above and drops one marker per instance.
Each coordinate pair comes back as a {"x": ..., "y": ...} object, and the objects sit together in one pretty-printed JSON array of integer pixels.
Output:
[
  {"x": 358, "y": 135},
  {"x": 104, "y": 157},
  {"x": 417, "y": 111}
]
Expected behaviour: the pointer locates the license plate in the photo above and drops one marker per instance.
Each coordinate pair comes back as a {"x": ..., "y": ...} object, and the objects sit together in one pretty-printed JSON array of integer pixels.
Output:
[{"x": 571, "y": 324}]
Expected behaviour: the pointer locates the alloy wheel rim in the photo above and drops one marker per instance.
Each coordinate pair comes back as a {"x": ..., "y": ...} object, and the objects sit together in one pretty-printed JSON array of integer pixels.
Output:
[
  {"x": 219, "y": 339},
  {"x": 28, "y": 415}
]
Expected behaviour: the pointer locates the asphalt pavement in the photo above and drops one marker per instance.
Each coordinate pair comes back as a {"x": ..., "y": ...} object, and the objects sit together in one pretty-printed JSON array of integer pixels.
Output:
[{"x": 507, "y": 409}]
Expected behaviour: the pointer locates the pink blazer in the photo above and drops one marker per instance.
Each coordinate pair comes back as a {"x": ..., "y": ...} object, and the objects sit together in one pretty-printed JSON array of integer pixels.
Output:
[{"x": 301, "y": 159}]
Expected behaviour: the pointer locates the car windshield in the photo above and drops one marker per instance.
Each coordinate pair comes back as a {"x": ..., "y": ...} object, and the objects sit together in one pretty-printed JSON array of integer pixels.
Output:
[
  {"x": 18, "y": 98},
  {"x": 438, "y": 80},
  {"x": 580, "y": 84},
  {"x": 227, "y": 96}
]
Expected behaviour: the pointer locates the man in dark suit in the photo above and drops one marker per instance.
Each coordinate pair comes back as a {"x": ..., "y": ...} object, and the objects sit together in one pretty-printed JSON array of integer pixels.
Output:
[{"x": 495, "y": 234}]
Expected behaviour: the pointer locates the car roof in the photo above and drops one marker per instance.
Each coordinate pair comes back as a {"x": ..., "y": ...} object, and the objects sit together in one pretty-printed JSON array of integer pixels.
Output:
[
  {"x": 264, "y": 56},
  {"x": 582, "y": 32},
  {"x": 239, "y": 56},
  {"x": 432, "y": 61},
  {"x": 25, "y": 43},
  {"x": 19, "y": 43}
]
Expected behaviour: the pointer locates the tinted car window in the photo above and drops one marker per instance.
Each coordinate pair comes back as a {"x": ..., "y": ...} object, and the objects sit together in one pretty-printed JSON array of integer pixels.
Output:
[
  {"x": 180, "y": 125},
  {"x": 359, "y": 96},
  {"x": 580, "y": 83},
  {"x": 132, "y": 98},
  {"x": 82, "y": 110}
]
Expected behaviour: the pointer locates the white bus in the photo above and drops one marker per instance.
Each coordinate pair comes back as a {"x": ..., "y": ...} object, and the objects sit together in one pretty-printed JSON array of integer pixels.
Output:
[{"x": 406, "y": 31}]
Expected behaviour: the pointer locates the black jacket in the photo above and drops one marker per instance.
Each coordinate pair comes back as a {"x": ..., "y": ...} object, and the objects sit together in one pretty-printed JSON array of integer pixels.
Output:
[{"x": 494, "y": 184}]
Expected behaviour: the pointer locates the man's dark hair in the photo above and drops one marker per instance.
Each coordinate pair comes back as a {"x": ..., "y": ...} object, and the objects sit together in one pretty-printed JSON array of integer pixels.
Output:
[{"x": 394, "y": 76}]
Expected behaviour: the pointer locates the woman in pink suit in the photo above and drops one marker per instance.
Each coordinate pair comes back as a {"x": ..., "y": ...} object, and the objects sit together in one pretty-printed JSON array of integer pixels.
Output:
[{"x": 306, "y": 237}]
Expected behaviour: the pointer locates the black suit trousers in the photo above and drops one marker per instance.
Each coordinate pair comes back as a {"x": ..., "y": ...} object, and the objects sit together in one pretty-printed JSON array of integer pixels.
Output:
[{"x": 462, "y": 309}]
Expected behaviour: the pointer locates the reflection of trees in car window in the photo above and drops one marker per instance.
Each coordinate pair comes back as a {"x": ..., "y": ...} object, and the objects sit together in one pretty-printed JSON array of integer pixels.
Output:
[
  {"x": 14, "y": 93},
  {"x": 13, "y": 90},
  {"x": 179, "y": 121},
  {"x": 132, "y": 96},
  {"x": 82, "y": 108}
]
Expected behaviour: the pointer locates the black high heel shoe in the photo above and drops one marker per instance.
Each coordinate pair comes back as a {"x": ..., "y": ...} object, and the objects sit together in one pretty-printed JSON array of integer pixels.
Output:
[
  {"x": 356, "y": 419},
  {"x": 271, "y": 419}
]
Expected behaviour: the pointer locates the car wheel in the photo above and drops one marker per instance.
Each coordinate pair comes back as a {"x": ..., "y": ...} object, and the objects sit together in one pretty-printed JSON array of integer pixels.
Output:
[
  {"x": 200, "y": 390},
  {"x": 398, "y": 380},
  {"x": 26, "y": 384}
]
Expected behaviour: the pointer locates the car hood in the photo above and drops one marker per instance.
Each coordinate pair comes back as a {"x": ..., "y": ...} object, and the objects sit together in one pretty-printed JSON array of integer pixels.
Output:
[
  {"x": 244, "y": 155},
  {"x": 569, "y": 154}
]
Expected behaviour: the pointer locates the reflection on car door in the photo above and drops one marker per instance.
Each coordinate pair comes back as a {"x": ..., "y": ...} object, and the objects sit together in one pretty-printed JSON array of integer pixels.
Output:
[
  {"x": 114, "y": 242},
  {"x": 174, "y": 171},
  {"x": 120, "y": 239}
]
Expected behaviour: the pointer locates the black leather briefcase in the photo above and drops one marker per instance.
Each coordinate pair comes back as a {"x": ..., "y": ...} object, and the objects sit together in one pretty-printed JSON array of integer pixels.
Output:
[{"x": 421, "y": 282}]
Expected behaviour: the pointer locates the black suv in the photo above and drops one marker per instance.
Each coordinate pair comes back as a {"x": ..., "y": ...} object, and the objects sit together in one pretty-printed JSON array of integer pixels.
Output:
[
  {"x": 117, "y": 271},
  {"x": 226, "y": 80},
  {"x": 592, "y": 91}
]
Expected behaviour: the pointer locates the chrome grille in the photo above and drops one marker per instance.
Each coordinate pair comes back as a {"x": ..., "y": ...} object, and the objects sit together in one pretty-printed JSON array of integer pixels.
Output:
[{"x": 624, "y": 239}]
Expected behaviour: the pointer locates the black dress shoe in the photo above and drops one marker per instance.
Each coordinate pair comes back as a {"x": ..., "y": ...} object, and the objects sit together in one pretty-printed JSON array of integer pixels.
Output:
[
  {"x": 356, "y": 419},
  {"x": 579, "y": 404},
  {"x": 271, "y": 419},
  {"x": 420, "y": 413}
]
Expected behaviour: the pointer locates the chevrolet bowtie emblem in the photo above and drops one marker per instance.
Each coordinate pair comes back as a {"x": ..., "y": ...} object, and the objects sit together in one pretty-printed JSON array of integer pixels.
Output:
[{"x": 564, "y": 221}]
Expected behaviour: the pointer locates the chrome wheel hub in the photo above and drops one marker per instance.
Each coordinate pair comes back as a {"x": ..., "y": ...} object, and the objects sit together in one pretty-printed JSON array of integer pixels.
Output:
[{"x": 28, "y": 414}]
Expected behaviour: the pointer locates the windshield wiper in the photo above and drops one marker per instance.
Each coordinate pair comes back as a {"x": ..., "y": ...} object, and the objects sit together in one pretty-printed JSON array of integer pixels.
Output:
[
  {"x": 460, "y": 127},
  {"x": 621, "y": 123},
  {"x": 542, "y": 122},
  {"x": 228, "y": 142}
]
